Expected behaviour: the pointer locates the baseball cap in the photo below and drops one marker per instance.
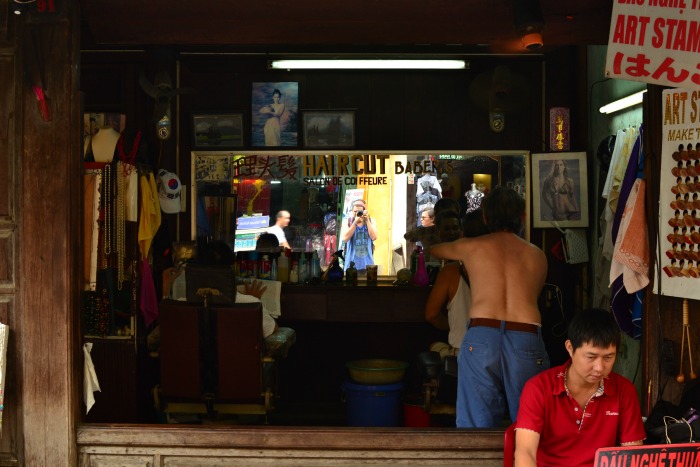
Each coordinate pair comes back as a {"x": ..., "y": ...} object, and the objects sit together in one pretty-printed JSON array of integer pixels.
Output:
[{"x": 169, "y": 192}]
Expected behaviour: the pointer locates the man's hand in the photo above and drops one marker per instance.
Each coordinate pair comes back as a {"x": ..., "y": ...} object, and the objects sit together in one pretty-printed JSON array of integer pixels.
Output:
[{"x": 254, "y": 288}]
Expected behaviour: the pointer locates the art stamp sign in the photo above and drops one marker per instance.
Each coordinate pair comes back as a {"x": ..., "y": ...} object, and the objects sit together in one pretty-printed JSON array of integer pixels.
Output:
[{"x": 655, "y": 41}]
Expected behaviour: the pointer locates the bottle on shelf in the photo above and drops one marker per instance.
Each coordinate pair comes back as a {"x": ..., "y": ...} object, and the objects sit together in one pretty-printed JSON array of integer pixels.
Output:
[
  {"x": 265, "y": 266},
  {"x": 420, "y": 277},
  {"x": 302, "y": 268},
  {"x": 315, "y": 265},
  {"x": 273, "y": 269},
  {"x": 351, "y": 274},
  {"x": 283, "y": 267}
]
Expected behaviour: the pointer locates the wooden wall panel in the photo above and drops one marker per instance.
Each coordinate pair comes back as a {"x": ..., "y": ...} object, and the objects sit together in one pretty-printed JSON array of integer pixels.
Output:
[
  {"x": 7, "y": 99},
  {"x": 112, "y": 445},
  {"x": 7, "y": 255},
  {"x": 48, "y": 168},
  {"x": 8, "y": 234},
  {"x": 4, "y": 21}
]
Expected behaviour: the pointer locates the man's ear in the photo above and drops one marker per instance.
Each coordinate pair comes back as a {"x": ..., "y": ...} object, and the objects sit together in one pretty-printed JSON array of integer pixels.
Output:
[{"x": 569, "y": 347}]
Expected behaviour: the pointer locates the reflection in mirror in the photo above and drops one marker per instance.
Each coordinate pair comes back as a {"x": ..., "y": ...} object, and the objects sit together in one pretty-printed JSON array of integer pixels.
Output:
[{"x": 324, "y": 194}]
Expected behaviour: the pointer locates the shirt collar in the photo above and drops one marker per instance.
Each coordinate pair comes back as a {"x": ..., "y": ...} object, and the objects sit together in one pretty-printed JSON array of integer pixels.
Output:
[{"x": 607, "y": 385}]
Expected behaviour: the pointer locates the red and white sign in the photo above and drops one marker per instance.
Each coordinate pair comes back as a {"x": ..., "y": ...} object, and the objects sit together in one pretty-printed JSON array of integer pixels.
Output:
[
  {"x": 656, "y": 42},
  {"x": 657, "y": 455}
]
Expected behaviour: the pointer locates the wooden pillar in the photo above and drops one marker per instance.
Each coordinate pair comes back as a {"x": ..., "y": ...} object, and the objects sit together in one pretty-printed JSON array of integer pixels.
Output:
[{"x": 47, "y": 164}]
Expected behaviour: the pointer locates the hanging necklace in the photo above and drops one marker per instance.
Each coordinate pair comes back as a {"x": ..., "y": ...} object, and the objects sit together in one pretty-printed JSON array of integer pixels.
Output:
[
  {"x": 130, "y": 158},
  {"x": 107, "y": 207},
  {"x": 120, "y": 227}
]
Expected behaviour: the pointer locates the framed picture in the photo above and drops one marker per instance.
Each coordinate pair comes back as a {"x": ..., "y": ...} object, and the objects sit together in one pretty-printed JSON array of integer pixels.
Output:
[
  {"x": 329, "y": 128},
  {"x": 275, "y": 108},
  {"x": 217, "y": 131},
  {"x": 560, "y": 190}
]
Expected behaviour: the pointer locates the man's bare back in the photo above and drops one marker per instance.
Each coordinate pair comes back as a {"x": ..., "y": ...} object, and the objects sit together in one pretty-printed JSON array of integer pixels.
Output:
[{"x": 506, "y": 274}]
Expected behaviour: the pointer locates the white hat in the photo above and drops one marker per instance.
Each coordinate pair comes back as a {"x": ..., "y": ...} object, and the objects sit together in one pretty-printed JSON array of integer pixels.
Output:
[{"x": 169, "y": 192}]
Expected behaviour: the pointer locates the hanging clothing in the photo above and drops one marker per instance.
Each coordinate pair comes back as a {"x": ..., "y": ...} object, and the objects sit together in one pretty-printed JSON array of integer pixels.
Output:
[
  {"x": 623, "y": 301},
  {"x": 610, "y": 193},
  {"x": 428, "y": 192},
  {"x": 150, "y": 213},
  {"x": 631, "y": 257}
]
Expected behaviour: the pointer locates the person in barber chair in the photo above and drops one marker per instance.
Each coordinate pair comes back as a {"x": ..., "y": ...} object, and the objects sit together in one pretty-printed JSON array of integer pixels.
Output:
[
  {"x": 218, "y": 253},
  {"x": 451, "y": 289}
]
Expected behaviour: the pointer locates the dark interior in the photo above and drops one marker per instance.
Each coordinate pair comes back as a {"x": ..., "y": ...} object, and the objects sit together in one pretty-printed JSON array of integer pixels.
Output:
[{"x": 217, "y": 53}]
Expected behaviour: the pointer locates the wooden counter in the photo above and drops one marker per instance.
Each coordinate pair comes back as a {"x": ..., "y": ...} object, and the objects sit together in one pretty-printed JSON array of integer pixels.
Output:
[{"x": 383, "y": 303}]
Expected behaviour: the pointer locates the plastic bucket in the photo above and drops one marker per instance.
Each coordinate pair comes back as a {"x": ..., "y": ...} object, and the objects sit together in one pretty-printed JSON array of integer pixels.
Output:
[{"x": 373, "y": 405}]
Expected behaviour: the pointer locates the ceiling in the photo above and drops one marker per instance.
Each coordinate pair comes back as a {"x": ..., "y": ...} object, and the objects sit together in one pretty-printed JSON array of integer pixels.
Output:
[{"x": 405, "y": 26}]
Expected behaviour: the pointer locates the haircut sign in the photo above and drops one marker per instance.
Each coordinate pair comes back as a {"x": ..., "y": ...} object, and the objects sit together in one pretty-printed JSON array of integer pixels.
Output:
[
  {"x": 679, "y": 200},
  {"x": 363, "y": 169},
  {"x": 655, "y": 41}
]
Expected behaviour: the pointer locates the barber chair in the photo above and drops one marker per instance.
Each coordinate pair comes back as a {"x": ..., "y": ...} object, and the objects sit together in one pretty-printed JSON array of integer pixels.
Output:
[
  {"x": 439, "y": 383},
  {"x": 212, "y": 360}
]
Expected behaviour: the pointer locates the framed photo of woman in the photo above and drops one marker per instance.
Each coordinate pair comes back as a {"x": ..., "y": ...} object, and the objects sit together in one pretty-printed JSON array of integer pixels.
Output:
[
  {"x": 560, "y": 190},
  {"x": 275, "y": 119}
]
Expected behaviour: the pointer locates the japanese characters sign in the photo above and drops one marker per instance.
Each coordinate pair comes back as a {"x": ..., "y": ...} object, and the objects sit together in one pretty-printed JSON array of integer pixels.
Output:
[
  {"x": 655, "y": 41},
  {"x": 679, "y": 197}
]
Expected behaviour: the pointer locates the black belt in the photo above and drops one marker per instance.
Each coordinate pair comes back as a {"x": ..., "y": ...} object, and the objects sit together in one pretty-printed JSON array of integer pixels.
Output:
[{"x": 509, "y": 326}]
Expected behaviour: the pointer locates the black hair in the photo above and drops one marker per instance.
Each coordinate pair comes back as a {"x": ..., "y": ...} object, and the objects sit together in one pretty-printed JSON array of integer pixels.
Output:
[
  {"x": 446, "y": 204},
  {"x": 503, "y": 210},
  {"x": 216, "y": 253},
  {"x": 442, "y": 217},
  {"x": 596, "y": 327},
  {"x": 473, "y": 224},
  {"x": 277, "y": 91},
  {"x": 267, "y": 242}
]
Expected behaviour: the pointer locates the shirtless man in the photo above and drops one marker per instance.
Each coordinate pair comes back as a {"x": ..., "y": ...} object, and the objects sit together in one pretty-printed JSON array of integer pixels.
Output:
[{"x": 503, "y": 345}]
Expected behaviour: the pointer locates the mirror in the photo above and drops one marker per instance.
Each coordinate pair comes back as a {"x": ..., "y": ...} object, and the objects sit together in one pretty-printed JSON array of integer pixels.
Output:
[{"x": 319, "y": 189}]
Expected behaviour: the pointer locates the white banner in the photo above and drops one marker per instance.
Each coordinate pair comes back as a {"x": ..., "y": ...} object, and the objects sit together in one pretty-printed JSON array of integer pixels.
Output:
[
  {"x": 656, "y": 42},
  {"x": 679, "y": 199}
]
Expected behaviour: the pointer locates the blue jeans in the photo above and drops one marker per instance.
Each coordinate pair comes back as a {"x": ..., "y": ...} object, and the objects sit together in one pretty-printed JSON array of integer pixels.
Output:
[{"x": 493, "y": 366}]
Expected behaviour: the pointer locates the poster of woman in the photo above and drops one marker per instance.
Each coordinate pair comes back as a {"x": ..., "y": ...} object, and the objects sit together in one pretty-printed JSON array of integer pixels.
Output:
[
  {"x": 275, "y": 108},
  {"x": 560, "y": 194}
]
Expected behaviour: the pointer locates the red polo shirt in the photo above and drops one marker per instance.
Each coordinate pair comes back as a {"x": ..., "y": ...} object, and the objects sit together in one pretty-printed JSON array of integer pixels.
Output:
[{"x": 569, "y": 434}]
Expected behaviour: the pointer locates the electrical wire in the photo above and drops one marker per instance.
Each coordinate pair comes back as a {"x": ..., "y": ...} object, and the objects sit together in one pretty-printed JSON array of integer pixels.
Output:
[{"x": 559, "y": 329}]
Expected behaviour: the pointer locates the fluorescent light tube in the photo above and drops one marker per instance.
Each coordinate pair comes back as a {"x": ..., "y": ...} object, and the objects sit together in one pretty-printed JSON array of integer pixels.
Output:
[
  {"x": 377, "y": 64},
  {"x": 623, "y": 103}
]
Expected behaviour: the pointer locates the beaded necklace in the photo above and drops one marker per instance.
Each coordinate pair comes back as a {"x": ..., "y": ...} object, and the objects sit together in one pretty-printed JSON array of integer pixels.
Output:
[
  {"x": 107, "y": 207},
  {"x": 120, "y": 227}
]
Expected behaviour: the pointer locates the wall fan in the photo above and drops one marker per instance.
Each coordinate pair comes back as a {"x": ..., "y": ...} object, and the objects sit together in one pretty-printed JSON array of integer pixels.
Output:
[{"x": 499, "y": 92}]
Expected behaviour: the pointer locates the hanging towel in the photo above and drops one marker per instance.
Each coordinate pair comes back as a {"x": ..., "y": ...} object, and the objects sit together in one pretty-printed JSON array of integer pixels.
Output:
[
  {"x": 90, "y": 382},
  {"x": 631, "y": 254}
]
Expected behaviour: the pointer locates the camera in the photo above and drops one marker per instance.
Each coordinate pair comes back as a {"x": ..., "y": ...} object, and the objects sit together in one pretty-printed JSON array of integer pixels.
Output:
[{"x": 360, "y": 213}]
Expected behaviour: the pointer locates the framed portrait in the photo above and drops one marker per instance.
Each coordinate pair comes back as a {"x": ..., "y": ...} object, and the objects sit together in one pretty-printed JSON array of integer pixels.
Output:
[
  {"x": 275, "y": 109},
  {"x": 560, "y": 190},
  {"x": 329, "y": 128},
  {"x": 217, "y": 131}
]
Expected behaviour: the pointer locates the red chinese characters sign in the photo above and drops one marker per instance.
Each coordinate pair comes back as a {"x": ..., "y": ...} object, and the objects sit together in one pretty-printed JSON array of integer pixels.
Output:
[{"x": 656, "y": 42}]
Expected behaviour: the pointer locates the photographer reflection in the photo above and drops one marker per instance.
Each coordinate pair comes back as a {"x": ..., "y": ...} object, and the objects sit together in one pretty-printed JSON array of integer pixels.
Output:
[{"x": 359, "y": 237}]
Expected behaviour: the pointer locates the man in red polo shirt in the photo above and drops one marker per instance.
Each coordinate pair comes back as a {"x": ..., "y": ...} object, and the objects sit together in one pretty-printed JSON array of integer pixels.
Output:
[{"x": 568, "y": 412}]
